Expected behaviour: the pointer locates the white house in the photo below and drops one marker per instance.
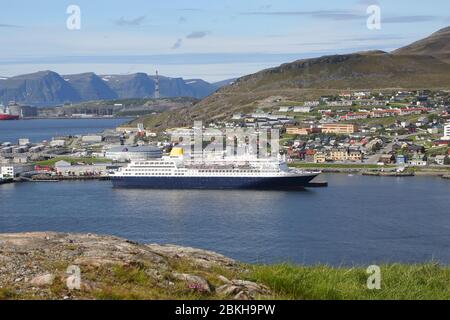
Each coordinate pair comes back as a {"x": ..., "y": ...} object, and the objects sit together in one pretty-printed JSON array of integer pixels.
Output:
[
  {"x": 303, "y": 109},
  {"x": 285, "y": 109},
  {"x": 12, "y": 171},
  {"x": 446, "y": 132}
]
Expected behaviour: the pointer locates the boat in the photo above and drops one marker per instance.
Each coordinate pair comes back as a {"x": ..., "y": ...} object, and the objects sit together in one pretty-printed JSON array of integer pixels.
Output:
[
  {"x": 6, "y": 115},
  {"x": 175, "y": 172}
]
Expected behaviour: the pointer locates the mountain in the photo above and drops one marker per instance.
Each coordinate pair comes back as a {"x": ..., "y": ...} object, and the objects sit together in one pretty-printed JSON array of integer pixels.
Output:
[
  {"x": 39, "y": 87},
  {"x": 47, "y": 88},
  {"x": 436, "y": 45},
  {"x": 138, "y": 85},
  {"x": 422, "y": 65},
  {"x": 89, "y": 86}
]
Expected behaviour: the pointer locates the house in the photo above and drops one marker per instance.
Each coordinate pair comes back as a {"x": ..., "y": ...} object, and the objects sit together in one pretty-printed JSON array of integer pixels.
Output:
[
  {"x": 339, "y": 128},
  {"x": 20, "y": 158},
  {"x": 57, "y": 143},
  {"x": 355, "y": 116},
  {"x": 418, "y": 160},
  {"x": 401, "y": 159},
  {"x": 421, "y": 121},
  {"x": 285, "y": 109},
  {"x": 446, "y": 132},
  {"x": 387, "y": 159},
  {"x": 441, "y": 160},
  {"x": 309, "y": 155},
  {"x": 92, "y": 139},
  {"x": 302, "y": 109},
  {"x": 302, "y": 131},
  {"x": 13, "y": 171},
  {"x": 338, "y": 154},
  {"x": 413, "y": 148},
  {"x": 355, "y": 155},
  {"x": 319, "y": 157}
]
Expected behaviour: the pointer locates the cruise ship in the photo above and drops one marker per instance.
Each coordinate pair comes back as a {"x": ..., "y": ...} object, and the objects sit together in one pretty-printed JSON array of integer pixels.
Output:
[{"x": 175, "y": 172}]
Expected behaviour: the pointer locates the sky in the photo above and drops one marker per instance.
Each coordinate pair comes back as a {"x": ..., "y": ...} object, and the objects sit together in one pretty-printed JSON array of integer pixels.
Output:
[{"x": 213, "y": 40}]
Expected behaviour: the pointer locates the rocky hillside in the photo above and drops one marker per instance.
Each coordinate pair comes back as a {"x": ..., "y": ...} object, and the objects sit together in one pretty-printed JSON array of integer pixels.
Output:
[
  {"x": 436, "y": 45},
  {"x": 44, "y": 266},
  {"x": 419, "y": 66},
  {"x": 47, "y": 88}
]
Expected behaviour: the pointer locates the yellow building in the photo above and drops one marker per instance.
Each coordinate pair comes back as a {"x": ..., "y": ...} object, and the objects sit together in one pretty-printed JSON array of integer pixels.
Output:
[
  {"x": 355, "y": 155},
  {"x": 344, "y": 154},
  {"x": 339, "y": 128},
  {"x": 319, "y": 157},
  {"x": 298, "y": 131},
  {"x": 338, "y": 155}
]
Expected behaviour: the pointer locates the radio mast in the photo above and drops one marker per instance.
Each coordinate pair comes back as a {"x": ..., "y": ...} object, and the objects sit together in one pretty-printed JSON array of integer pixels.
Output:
[{"x": 157, "y": 93}]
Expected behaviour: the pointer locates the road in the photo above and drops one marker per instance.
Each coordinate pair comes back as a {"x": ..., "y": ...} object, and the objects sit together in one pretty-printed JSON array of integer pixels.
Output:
[{"x": 373, "y": 159}]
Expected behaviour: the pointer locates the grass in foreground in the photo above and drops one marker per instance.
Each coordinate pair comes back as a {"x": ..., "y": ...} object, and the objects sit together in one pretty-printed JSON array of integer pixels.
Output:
[
  {"x": 286, "y": 282},
  {"x": 402, "y": 282}
]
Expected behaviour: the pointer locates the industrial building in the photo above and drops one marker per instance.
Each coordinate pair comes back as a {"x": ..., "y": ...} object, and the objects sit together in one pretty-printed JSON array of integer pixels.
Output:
[{"x": 130, "y": 153}]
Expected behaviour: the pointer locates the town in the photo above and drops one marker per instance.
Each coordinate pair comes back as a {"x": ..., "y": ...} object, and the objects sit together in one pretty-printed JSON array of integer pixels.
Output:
[{"x": 398, "y": 132}]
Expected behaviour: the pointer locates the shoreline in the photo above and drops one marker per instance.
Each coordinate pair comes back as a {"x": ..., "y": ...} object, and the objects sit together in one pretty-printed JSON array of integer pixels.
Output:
[
  {"x": 377, "y": 171},
  {"x": 110, "y": 267}
]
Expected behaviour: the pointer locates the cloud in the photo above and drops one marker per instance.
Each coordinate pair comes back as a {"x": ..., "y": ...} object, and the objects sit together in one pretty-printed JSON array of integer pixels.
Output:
[
  {"x": 375, "y": 38},
  {"x": 2, "y": 25},
  {"x": 130, "y": 22},
  {"x": 265, "y": 7},
  {"x": 190, "y": 9},
  {"x": 196, "y": 35},
  {"x": 409, "y": 19},
  {"x": 177, "y": 44},
  {"x": 318, "y": 14}
]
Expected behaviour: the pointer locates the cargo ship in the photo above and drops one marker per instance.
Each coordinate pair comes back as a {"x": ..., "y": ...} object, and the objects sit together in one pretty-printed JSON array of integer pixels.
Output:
[
  {"x": 6, "y": 115},
  {"x": 174, "y": 172}
]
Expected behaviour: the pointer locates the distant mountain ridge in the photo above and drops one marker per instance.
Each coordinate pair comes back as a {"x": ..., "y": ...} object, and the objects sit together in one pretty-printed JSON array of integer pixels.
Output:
[{"x": 47, "y": 88}]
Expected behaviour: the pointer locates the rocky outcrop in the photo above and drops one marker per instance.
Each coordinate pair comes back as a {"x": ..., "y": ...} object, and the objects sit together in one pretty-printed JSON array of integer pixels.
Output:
[{"x": 51, "y": 265}]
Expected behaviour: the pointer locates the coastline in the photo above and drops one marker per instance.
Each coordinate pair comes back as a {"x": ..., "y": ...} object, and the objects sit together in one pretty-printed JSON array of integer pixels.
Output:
[
  {"x": 370, "y": 170},
  {"x": 63, "y": 266}
]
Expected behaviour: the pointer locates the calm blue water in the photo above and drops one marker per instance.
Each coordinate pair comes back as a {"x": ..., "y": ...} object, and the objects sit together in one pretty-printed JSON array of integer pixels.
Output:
[
  {"x": 356, "y": 220},
  {"x": 44, "y": 129}
]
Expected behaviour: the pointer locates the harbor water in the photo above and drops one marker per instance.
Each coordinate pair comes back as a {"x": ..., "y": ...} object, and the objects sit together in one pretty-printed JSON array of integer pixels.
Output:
[
  {"x": 356, "y": 220},
  {"x": 44, "y": 129}
]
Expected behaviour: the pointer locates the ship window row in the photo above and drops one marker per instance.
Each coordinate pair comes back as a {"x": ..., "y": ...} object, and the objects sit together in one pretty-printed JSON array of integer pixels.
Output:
[
  {"x": 148, "y": 174},
  {"x": 140, "y": 169},
  {"x": 154, "y": 163},
  {"x": 229, "y": 171}
]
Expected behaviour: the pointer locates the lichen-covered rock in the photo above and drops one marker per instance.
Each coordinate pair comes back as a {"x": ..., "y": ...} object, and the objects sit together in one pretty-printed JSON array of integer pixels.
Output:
[
  {"x": 37, "y": 265},
  {"x": 43, "y": 280},
  {"x": 194, "y": 282},
  {"x": 242, "y": 290}
]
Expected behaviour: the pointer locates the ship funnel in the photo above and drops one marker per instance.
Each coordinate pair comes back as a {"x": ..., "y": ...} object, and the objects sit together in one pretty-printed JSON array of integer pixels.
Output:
[{"x": 176, "y": 152}]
